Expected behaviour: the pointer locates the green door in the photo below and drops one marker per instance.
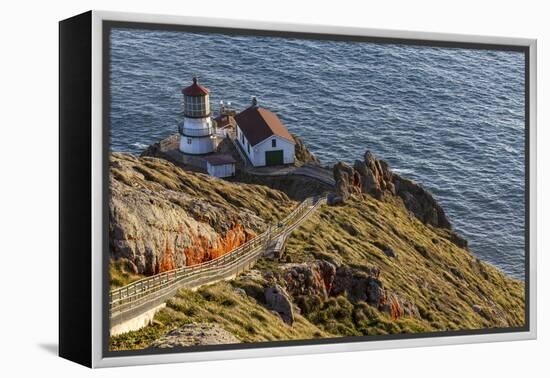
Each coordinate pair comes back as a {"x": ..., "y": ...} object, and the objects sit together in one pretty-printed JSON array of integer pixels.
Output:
[{"x": 274, "y": 157}]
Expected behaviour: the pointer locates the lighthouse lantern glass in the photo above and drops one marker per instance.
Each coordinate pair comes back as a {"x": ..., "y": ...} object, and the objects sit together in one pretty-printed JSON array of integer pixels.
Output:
[{"x": 196, "y": 106}]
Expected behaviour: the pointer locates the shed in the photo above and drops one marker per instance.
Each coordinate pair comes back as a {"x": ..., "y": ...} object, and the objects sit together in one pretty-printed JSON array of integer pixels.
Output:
[{"x": 220, "y": 165}]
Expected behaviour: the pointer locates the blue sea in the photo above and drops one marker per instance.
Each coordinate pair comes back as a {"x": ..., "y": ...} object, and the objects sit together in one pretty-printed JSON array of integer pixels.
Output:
[{"x": 452, "y": 119}]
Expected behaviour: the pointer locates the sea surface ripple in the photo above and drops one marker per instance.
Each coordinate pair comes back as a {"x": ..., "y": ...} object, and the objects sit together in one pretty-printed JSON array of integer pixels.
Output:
[{"x": 452, "y": 119}]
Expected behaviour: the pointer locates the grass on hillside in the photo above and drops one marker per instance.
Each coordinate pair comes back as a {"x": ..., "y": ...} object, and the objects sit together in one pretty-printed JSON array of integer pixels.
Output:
[
  {"x": 159, "y": 175},
  {"x": 443, "y": 280},
  {"x": 120, "y": 274},
  {"x": 451, "y": 288},
  {"x": 241, "y": 315}
]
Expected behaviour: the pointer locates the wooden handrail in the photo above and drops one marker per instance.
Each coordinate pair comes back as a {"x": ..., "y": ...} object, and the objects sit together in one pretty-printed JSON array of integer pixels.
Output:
[{"x": 127, "y": 297}]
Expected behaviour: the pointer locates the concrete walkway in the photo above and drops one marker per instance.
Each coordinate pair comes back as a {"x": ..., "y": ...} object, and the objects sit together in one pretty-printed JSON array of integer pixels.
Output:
[{"x": 315, "y": 172}]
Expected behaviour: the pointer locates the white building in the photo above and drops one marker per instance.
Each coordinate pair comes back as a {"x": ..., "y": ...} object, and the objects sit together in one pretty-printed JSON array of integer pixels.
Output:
[
  {"x": 220, "y": 165},
  {"x": 263, "y": 137},
  {"x": 196, "y": 132}
]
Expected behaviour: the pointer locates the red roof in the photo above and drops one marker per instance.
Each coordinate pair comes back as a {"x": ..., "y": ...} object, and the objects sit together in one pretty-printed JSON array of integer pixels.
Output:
[
  {"x": 195, "y": 89},
  {"x": 258, "y": 124},
  {"x": 220, "y": 159}
]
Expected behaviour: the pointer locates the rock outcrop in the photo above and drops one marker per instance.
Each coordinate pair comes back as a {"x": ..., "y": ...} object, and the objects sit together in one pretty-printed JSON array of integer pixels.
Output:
[
  {"x": 314, "y": 278},
  {"x": 278, "y": 301},
  {"x": 161, "y": 217},
  {"x": 347, "y": 182},
  {"x": 323, "y": 279},
  {"x": 301, "y": 154},
  {"x": 374, "y": 177},
  {"x": 195, "y": 334},
  {"x": 359, "y": 286}
]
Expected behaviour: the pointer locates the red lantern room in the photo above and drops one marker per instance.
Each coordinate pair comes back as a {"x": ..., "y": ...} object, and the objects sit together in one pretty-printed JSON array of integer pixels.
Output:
[{"x": 196, "y": 103}]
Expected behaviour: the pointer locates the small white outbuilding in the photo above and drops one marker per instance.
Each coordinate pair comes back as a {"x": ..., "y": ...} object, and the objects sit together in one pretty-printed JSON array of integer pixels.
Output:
[{"x": 220, "y": 165}]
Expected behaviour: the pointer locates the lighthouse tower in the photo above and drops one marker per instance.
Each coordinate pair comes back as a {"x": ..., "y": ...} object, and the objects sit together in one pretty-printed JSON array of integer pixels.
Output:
[{"x": 196, "y": 131}]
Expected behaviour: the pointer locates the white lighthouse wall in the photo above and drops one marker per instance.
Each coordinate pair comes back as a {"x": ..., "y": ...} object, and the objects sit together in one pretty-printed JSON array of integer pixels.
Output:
[
  {"x": 198, "y": 124},
  {"x": 197, "y": 138},
  {"x": 197, "y": 146}
]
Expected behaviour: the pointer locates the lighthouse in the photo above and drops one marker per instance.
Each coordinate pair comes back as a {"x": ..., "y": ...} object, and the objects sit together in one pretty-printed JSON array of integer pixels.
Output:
[{"x": 196, "y": 131}]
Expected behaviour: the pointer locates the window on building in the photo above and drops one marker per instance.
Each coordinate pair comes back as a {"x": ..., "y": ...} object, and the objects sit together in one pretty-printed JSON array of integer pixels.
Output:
[
  {"x": 273, "y": 142},
  {"x": 189, "y": 140}
]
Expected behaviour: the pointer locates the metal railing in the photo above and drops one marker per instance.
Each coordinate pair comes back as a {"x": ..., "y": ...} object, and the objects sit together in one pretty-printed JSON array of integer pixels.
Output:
[{"x": 145, "y": 291}]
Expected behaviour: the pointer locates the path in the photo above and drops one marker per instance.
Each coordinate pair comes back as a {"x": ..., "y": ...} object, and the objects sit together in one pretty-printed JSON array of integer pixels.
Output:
[
  {"x": 128, "y": 303},
  {"x": 315, "y": 172}
]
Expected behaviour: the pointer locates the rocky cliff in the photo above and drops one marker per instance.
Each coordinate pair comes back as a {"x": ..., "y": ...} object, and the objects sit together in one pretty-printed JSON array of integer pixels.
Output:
[
  {"x": 384, "y": 260},
  {"x": 374, "y": 177},
  {"x": 162, "y": 217},
  {"x": 372, "y": 267}
]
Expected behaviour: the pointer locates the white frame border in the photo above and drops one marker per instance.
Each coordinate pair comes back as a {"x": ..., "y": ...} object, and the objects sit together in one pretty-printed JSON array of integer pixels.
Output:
[{"x": 97, "y": 186}]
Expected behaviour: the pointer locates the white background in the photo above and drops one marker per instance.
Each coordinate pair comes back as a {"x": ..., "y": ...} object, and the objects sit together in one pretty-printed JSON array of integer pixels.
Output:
[{"x": 29, "y": 206}]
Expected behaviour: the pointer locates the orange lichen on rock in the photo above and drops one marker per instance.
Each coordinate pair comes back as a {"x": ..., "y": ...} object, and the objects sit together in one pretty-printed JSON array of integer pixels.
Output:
[
  {"x": 396, "y": 310},
  {"x": 167, "y": 261},
  {"x": 204, "y": 250}
]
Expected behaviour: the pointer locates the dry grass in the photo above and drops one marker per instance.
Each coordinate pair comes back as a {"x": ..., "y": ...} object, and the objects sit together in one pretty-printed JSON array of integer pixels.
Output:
[
  {"x": 155, "y": 173},
  {"x": 120, "y": 274},
  {"x": 241, "y": 315},
  {"x": 443, "y": 280}
]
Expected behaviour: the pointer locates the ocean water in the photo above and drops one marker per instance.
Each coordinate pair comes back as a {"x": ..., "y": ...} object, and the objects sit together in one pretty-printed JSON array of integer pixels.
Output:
[{"x": 452, "y": 119}]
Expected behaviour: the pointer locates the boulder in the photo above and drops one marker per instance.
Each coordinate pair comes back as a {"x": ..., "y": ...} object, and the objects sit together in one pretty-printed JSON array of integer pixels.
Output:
[
  {"x": 458, "y": 240},
  {"x": 195, "y": 334},
  {"x": 278, "y": 301},
  {"x": 343, "y": 281},
  {"x": 480, "y": 310},
  {"x": 390, "y": 252}
]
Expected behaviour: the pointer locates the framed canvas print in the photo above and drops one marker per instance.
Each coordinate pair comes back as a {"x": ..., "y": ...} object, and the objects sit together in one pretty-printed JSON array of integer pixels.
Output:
[{"x": 232, "y": 189}]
